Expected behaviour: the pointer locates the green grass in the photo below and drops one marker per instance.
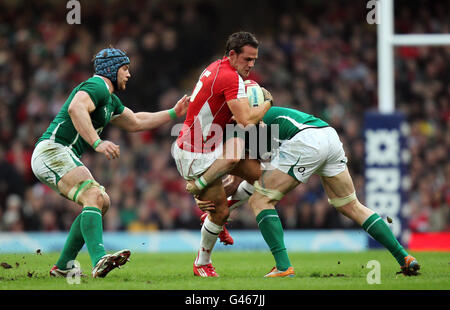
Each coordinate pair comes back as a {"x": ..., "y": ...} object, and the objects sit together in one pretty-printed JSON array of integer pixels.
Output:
[{"x": 237, "y": 270}]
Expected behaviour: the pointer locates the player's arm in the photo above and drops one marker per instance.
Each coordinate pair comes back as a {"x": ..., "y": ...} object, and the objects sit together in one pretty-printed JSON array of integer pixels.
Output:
[
  {"x": 132, "y": 122},
  {"x": 246, "y": 115},
  {"x": 79, "y": 111}
]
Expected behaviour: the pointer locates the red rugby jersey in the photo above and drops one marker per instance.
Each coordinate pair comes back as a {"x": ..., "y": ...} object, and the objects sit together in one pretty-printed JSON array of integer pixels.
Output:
[{"x": 208, "y": 112}]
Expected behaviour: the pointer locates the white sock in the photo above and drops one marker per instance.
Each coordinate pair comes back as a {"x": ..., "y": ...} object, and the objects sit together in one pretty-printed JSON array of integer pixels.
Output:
[
  {"x": 242, "y": 194},
  {"x": 209, "y": 234}
]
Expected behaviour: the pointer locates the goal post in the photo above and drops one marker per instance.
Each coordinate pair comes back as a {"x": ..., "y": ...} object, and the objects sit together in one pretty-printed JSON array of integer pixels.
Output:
[
  {"x": 387, "y": 39},
  {"x": 386, "y": 130}
]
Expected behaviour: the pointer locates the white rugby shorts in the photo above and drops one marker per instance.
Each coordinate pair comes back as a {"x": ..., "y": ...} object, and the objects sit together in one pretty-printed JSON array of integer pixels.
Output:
[
  {"x": 51, "y": 161},
  {"x": 191, "y": 165},
  {"x": 311, "y": 151}
]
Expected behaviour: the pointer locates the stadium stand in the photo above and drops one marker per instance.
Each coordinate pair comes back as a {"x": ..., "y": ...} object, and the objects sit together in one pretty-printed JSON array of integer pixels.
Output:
[{"x": 313, "y": 56}]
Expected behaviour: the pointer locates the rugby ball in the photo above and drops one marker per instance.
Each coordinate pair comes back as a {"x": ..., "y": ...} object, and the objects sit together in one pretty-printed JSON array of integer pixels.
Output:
[{"x": 254, "y": 93}]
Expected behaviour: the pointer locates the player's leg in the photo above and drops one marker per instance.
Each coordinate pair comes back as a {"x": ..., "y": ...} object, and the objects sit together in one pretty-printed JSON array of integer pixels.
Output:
[
  {"x": 211, "y": 228},
  {"x": 79, "y": 186},
  {"x": 232, "y": 154},
  {"x": 50, "y": 162},
  {"x": 340, "y": 186},
  {"x": 72, "y": 246},
  {"x": 75, "y": 239},
  {"x": 73, "y": 185},
  {"x": 231, "y": 184},
  {"x": 273, "y": 185},
  {"x": 245, "y": 169},
  {"x": 296, "y": 160},
  {"x": 248, "y": 170},
  {"x": 341, "y": 193},
  {"x": 340, "y": 190},
  {"x": 229, "y": 162},
  {"x": 191, "y": 165},
  {"x": 238, "y": 191}
]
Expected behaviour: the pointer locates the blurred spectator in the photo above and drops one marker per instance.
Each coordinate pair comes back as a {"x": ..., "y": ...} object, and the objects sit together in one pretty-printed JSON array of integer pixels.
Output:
[
  {"x": 129, "y": 212},
  {"x": 11, "y": 181},
  {"x": 314, "y": 56},
  {"x": 11, "y": 219}
]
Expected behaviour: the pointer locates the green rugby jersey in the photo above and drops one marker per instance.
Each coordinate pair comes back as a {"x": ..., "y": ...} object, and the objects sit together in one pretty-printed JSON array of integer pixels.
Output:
[
  {"x": 107, "y": 106},
  {"x": 291, "y": 121}
]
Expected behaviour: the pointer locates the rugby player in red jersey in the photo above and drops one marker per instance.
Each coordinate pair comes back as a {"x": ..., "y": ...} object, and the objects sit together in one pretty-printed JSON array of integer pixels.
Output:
[{"x": 218, "y": 99}]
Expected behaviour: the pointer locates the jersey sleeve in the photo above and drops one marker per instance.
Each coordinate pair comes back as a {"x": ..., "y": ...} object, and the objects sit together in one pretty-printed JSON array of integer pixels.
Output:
[
  {"x": 96, "y": 91},
  {"x": 233, "y": 86},
  {"x": 118, "y": 106}
]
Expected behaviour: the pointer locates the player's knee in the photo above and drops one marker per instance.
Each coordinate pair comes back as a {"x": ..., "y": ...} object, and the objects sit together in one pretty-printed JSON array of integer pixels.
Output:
[
  {"x": 263, "y": 196},
  {"x": 106, "y": 203},
  {"x": 231, "y": 162},
  {"x": 102, "y": 200},
  {"x": 93, "y": 197}
]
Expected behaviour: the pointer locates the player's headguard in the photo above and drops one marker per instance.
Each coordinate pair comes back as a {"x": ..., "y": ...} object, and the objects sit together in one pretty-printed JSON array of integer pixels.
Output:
[{"x": 108, "y": 61}]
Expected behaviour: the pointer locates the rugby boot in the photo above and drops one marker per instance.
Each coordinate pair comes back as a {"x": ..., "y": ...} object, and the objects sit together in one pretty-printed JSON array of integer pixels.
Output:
[
  {"x": 110, "y": 261},
  {"x": 224, "y": 235},
  {"x": 275, "y": 273},
  {"x": 59, "y": 273},
  {"x": 205, "y": 271},
  {"x": 410, "y": 267}
]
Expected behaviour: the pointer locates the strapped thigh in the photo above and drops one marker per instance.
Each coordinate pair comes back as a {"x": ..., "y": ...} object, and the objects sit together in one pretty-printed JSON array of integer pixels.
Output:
[
  {"x": 273, "y": 194},
  {"x": 81, "y": 187}
]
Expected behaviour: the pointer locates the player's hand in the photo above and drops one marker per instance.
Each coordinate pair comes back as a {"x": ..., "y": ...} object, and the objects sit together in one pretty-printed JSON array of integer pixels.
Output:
[
  {"x": 267, "y": 95},
  {"x": 192, "y": 188},
  {"x": 205, "y": 205},
  {"x": 109, "y": 149},
  {"x": 182, "y": 106}
]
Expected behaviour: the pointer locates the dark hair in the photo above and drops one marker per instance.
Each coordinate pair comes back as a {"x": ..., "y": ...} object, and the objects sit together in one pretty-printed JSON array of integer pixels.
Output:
[{"x": 238, "y": 40}]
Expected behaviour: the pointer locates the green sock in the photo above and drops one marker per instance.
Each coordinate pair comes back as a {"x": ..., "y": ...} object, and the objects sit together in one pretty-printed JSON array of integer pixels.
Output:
[
  {"x": 92, "y": 230},
  {"x": 270, "y": 226},
  {"x": 379, "y": 230},
  {"x": 73, "y": 245}
]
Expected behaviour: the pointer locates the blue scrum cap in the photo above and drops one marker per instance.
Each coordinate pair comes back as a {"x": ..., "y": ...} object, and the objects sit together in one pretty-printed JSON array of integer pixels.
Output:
[{"x": 108, "y": 61}]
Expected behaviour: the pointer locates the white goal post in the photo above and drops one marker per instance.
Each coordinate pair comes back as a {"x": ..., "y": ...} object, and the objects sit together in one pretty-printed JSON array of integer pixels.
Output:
[{"x": 387, "y": 39}]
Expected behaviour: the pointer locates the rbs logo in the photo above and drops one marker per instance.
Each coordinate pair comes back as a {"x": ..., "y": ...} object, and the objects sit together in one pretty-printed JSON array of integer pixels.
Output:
[
  {"x": 382, "y": 147},
  {"x": 383, "y": 173}
]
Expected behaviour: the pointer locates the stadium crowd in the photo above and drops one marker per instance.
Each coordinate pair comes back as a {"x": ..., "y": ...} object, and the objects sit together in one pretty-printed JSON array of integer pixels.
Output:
[{"x": 315, "y": 56}]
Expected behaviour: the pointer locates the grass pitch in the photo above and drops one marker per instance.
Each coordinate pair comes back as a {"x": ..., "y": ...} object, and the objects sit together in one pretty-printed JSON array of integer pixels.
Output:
[{"x": 237, "y": 270}]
